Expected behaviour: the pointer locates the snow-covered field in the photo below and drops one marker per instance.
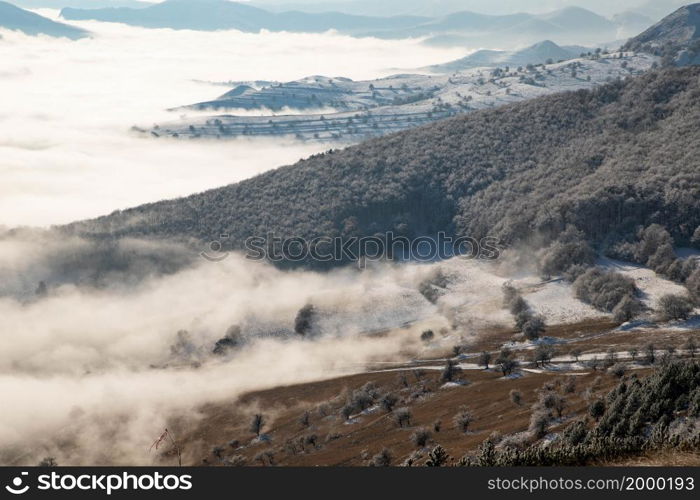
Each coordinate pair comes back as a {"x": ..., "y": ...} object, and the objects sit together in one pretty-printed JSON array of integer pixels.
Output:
[
  {"x": 555, "y": 300},
  {"x": 376, "y": 107}
]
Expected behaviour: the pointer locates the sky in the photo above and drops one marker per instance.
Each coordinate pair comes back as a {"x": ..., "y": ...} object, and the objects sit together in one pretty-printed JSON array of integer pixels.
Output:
[{"x": 66, "y": 149}]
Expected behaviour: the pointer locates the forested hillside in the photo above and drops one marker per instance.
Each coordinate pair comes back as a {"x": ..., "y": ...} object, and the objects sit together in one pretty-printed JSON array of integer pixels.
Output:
[{"x": 606, "y": 161}]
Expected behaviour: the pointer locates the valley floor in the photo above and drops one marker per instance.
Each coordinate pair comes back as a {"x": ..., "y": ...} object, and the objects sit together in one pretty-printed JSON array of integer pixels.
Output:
[{"x": 220, "y": 435}]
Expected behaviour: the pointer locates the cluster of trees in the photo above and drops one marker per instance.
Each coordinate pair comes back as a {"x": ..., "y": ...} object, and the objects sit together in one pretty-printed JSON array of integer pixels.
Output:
[
  {"x": 604, "y": 161},
  {"x": 609, "y": 291},
  {"x": 638, "y": 415},
  {"x": 532, "y": 326},
  {"x": 653, "y": 246},
  {"x": 361, "y": 399}
]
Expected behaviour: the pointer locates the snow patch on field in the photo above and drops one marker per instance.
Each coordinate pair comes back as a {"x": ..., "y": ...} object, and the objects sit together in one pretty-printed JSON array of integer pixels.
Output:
[{"x": 556, "y": 302}]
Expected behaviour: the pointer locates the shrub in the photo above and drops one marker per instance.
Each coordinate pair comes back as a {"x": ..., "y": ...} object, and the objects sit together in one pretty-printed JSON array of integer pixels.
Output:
[
  {"x": 427, "y": 336},
  {"x": 597, "y": 409},
  {"x": 381, "y": 459},
  {"x": 388, "y": 402},
  {"x": 516, "y": 397},
  {"x": 232, "y": 339},
  {"x": 618, "y": 370},
  {"x": 235, "y": 461},
  {"x": 303, "y": 323},
  {"x": 403, "y": 417},
  {"x": 569, "y": 386},
  {"x": 324, "y": 409},
  {"x": 463, "y": 420},
  {"x": 420, "y": 437},
  {"x": 311, "y": 440}
]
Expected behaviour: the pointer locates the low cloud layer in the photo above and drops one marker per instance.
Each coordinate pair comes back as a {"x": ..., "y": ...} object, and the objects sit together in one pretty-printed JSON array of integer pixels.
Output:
[
  {"x": 90, "y": 376},
  {"x": 66, "y": 152}
]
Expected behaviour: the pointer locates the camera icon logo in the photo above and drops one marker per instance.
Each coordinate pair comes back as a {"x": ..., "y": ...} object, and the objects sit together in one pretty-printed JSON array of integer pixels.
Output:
[{"x": 16, "y": 487}]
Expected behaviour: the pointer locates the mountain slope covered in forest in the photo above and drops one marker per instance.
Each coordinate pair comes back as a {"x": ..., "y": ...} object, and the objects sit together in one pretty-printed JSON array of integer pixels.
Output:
[
  {"x": 605, "y": 160},
  {"x": 676, "y": 37}
]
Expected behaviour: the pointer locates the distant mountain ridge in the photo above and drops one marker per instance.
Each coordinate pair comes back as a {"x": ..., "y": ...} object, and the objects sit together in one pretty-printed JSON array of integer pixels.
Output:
[
  {"x": 536, "y": 54},
  {"x": 79, "y": 4},
  {"x": 569, "y": 25},
  {"x": 14, "y": 18},
  {"x": 211, "y": 15}
]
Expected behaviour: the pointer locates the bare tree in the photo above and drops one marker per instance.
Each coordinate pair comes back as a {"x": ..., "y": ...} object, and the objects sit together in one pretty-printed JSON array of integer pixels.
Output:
[
  {"x": 420, "y": 437},
  {"x": 450, "y": 372},
  {"x": 257, "y": 423},
  {"x": 650, "y": 353},
  {"x": 506, "y": 363},
  {"x": 485, "y": 359},
  {"x": 576, "y": 353},
  {"x": 402, "y": 416},
  {"x": 388, "y": 402},
  {"x": 463, "y": 419}
]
